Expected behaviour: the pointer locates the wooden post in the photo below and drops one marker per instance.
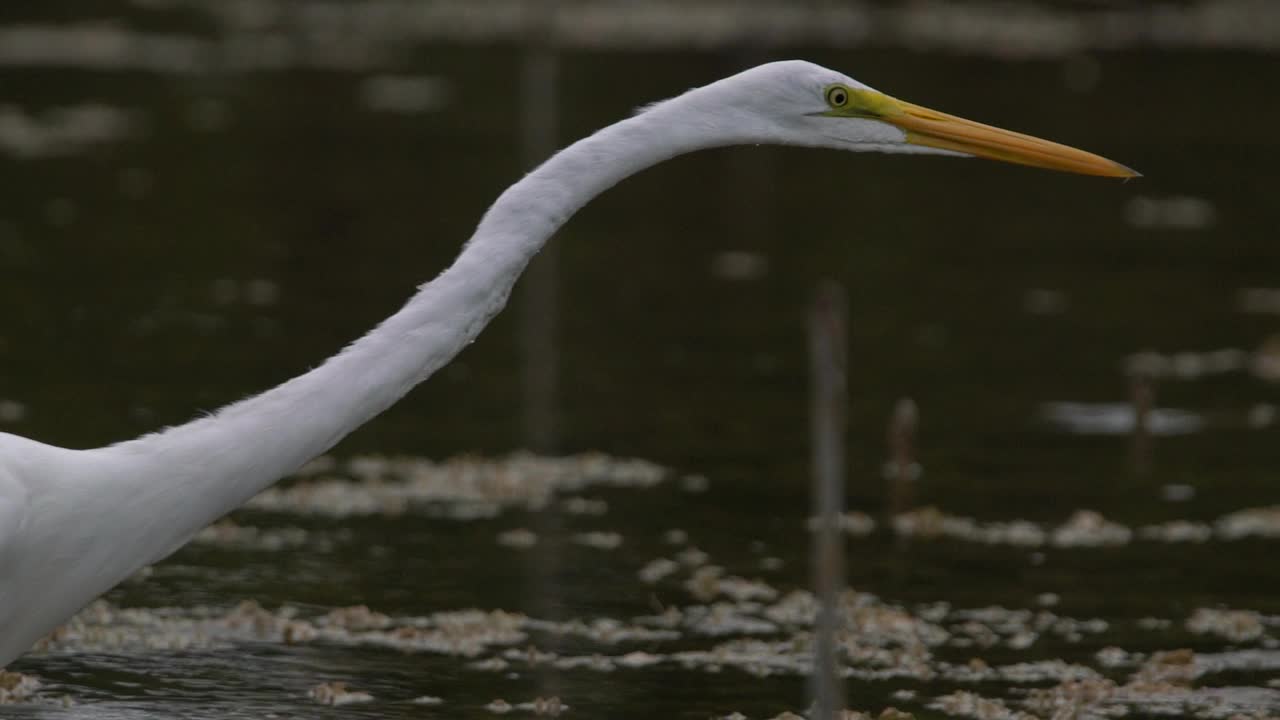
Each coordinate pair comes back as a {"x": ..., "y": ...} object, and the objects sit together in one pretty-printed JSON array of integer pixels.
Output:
[
  {"x": 827, "y": 357},
  {"x": 538, "y": 321},
  {"x": 539, "y": 301}
]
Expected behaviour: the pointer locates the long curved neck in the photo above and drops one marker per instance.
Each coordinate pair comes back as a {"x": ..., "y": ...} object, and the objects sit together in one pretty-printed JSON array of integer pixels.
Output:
[{"x": 194, "y": 473}]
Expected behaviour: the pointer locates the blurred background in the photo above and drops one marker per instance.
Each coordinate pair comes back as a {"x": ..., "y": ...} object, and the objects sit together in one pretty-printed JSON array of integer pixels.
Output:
[{"x": 204, "y": 198}]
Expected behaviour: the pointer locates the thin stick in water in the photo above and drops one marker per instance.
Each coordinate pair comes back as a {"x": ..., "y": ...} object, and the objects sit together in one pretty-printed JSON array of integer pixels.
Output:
[
  {"x": 539, "y": 297},
  {"x": 539, "y": 310},
  {"x": 1142, "y": 391},
  {"x": 827, "y": 357},
  {"x": 902, "y": 469}
]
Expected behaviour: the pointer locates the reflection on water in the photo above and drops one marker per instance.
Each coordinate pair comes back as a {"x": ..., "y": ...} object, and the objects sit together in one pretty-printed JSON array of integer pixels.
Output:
[{"x": 206, "y": 198}]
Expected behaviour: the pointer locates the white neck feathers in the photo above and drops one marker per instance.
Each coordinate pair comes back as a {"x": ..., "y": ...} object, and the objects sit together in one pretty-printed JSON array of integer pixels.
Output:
[{"x": 214, "y": 464}]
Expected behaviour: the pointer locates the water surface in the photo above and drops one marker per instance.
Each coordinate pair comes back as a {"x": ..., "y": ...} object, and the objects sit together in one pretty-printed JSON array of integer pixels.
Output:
[{"x": 181, "y": 232}]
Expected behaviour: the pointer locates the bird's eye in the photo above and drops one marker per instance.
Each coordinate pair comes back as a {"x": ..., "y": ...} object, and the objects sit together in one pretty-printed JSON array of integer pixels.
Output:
[{"x": 837, "y": 97}]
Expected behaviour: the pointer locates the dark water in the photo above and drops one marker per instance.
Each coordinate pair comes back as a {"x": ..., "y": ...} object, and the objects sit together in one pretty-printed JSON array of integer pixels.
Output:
[{"x": 247, "y": 224}]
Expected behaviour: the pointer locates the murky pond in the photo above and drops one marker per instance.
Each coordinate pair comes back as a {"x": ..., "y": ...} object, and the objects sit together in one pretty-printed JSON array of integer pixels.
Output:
[{"x": 203, "y": 199}]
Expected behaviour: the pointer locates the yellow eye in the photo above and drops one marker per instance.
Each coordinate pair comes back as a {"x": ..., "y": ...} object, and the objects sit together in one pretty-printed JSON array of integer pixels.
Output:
[{"x": 837, "y": 97}]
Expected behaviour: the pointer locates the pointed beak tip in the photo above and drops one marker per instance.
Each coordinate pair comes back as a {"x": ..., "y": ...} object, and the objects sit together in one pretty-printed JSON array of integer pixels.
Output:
[{"x": 931, "y": 128}]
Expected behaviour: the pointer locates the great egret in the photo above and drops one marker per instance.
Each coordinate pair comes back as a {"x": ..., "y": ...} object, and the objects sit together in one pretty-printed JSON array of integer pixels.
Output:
[{"x": 74, "y": 523}]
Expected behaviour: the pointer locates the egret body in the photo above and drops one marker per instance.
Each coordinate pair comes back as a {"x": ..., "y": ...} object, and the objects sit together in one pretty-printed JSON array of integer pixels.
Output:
[{"x": 74, "y": 523}]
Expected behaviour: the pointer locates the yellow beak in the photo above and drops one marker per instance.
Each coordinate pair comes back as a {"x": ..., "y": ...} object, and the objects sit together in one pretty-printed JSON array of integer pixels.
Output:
[{"x": 934, "y": 129}]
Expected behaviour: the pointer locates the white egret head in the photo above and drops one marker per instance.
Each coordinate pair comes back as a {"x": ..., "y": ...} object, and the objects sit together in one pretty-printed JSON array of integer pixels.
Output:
[{"x": 794, "y": 102}]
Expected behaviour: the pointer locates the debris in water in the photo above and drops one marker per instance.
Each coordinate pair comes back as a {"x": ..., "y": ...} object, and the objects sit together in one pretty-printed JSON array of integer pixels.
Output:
[
  {"x": 462, "y": 488},
  {"x": 12, "y": 411},
  {"x": 1086, "y": 528},
  {"x": 1173, "y": 212},
  {"x": 1234, "y": 625},
  {"x": 1177, "y": 492},
  {"x": 227, "y": 533},
  {"x": 857, "y": 524},
  {"x": 584, "y": 506},
  {"x": 1118, "y": 419},
  {"x": 17, "y": 688},
  {"x": 1261, "y": 522},
  {"x": 337, "y": 693},
  {"x": 692, "y": 557},
  {"x": 657, "y": 569},
  {"x": 519, "y": 538},
  {"x": 61, "y": 131},
  {"x": 406, "y": 94},
  {"x": 695, "y": 483},
  {"x": 638, "y": 659},
  {"x": 356, "y": 617},
  {"x": 1177, "y": 531},
  {"x": 968, "y": 704},
  {"x": 599, "y": 540},
  {"x": 544, "y": 706}
]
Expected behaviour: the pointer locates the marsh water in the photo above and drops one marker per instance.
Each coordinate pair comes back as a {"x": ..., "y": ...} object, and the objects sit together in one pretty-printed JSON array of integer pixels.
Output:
[{"x": 176, "y": 235}]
